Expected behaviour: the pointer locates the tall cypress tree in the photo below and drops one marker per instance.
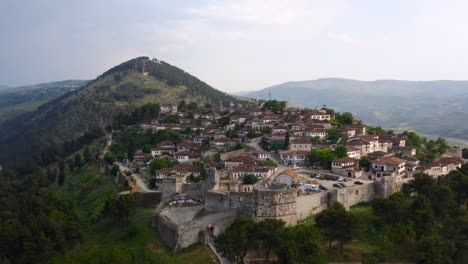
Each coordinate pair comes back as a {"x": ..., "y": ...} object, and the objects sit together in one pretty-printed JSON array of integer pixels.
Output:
[{"x": 286, "y": 140}]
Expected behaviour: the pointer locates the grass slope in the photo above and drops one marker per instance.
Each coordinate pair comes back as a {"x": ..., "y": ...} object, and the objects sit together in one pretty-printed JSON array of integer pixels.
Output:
[{"x": 136, "y": 242}]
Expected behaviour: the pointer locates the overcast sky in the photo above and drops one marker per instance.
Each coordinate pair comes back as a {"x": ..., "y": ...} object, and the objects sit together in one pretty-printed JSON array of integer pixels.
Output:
[{"x": 236, "y": 45}]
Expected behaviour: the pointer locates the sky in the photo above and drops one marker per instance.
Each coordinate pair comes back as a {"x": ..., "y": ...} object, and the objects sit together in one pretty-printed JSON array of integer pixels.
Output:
[{"x": 236, "y": 45}]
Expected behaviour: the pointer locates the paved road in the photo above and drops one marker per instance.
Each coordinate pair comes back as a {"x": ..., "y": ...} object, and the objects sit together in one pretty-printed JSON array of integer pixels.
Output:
[
  {"x": 222, "y": 259},
  {"x": 136, "y": 176}
]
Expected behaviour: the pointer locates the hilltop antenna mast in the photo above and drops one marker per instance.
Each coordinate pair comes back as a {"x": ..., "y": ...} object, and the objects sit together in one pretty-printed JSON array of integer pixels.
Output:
[{"x": 269, "y": 95}]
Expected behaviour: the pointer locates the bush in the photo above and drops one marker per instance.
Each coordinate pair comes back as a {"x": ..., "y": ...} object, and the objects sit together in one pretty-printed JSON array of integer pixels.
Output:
[{"x": 250, "y": 179}]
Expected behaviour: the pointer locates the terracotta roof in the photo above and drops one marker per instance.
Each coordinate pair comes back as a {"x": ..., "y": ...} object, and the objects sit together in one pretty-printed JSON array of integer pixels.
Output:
[
  {"x": 188, "y": 145},
  {"x": 290, "y": 173},
  {"x": 186, "y": 153},
  {"x": 390, "y": 160},
  {"x": 379, "y": 154},
  {"x": 301, "y": 141},
  {"x": 345, "y": 160},
  {"x": 349, "y": 149},
  {"x": 295, "y": 152},
  {"x": 180, "y": 168},
  {"x": 250, "y": 169},
  {"x": 357, "y": 143}
]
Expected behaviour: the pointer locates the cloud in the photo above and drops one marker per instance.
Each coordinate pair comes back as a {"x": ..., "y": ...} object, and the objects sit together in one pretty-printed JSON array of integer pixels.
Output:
[
  {"x": 295, "y": 17},
  {"x": 345, "y": 38}
]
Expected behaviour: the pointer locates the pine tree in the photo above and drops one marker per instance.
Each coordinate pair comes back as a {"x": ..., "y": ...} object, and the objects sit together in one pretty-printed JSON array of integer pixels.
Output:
[
  {"x": 286, "y": 140},
  {"x": 61, "y": 176},
  {"x": 87, "y": 154},
  {"x": 78, "y": 160}
]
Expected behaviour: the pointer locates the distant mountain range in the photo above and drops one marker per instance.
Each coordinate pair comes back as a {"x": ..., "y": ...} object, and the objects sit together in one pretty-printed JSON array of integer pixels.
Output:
[
  {"x": 15, "y": 101},
  {"x": 437, "y": 108},
  {"x": 120, "y": 90}
]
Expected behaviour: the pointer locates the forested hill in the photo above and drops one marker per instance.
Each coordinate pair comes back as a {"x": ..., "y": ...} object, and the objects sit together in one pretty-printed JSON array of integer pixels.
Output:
[{"x": 139, "y": 83}]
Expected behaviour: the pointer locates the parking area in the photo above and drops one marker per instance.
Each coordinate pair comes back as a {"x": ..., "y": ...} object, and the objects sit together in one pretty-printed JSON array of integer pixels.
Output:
[{"x": 327, "y": 180}]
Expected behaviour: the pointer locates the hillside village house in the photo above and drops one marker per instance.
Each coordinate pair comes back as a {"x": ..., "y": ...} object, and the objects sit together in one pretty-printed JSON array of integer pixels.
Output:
[
  {"x": 348, "y": 131},
  {"x": 315, "y": 132},
  {"x": 294, "y": 157},
  {"x": 405, "y": 151},
  {"x": 367, "y": 144},
  {"x": 288, "y": 177},
  {"x": 168, "y": 108},
  {"x": 411, "y": 165},
  {"x": 319, "y": 115},
  {"x": 389, "y": 166},
  {"x": 187, "y": 146},
  {"x": 259, "y": 171},
  {"x": 300, "y": 144},
  {"x": 353, "y": 152},
  {"x": 222, "y": 143},
  {"x": 179, "y": 170},
  {"x": 238, "y": 119},
  {"x": 346, "y": 166},
  {"x": 262, "y": 155},
  {"x": 186, "y": 156},
  {"x": 158, "y": 151},
  {"x": 440, "y": 167},
  {"x": 378, "y": 154}
]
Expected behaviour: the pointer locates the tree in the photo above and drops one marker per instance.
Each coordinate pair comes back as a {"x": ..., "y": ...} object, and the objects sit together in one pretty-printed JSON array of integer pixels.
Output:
[
  {"x": 422, "y": 215},
  {"x": 333, "y": 135},
  {"x": 345, "y": 118},
  {"x": 87, "y": 154},
  {"x": 268, "y": 232},
  {"x": 433, "y": 249},
  {"x": 192, "y": 106},
  {"x": 337, "y": 224},
  {"x": 51, "y": 175},
  {"x": 341, "y": 151},
  {"x": 465, "y": 153},
  {"x": 61, "y": 175},
  {"x": 458, "y": 182},
  {"x": 269, "y": 163},
  {"x": 421, "y": 184},
  {"x": 237, "y": 239},
  {"x": 365, "y": 162},
  {"x": 131, "y": 150},
  {"x": 109, "y": 157},
  {"x": 286, "y": 140},
  {"x": 253, "y": 134},
  {"x": 266, "y": 130},
  {"x": 157, "y": 164},
  {"x": 181, "y": 106},
  {"x": 273, "y": 105},
  {"x": 78, "y": 161},
  {"x": 299, "y": 244},
  {"x": 323, "y": 156},
  {"x": 118, "y": 208},
  {"x": 114, "y": 170},
  {"x": 249, "y": 179}
]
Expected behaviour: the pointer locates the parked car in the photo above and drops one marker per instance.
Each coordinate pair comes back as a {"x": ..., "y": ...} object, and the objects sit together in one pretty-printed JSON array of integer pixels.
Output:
[
  {"x": 300, "y": 183},
  {"x": 337, "y": 185},
  {"x": 342, "y": 184},
  {"x": 321, "y": 187},
  {"x": 358, "y": 182},
  {"x": 340, "y": 179}
]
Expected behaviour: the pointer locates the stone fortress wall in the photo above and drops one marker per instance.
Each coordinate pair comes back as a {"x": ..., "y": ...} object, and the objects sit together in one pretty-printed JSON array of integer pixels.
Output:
[{"x": 181, "y": 228}]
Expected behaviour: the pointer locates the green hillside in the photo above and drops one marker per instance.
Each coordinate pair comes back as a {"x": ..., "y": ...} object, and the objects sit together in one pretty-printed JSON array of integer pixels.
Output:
[{"x": 122, "y": 89}]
